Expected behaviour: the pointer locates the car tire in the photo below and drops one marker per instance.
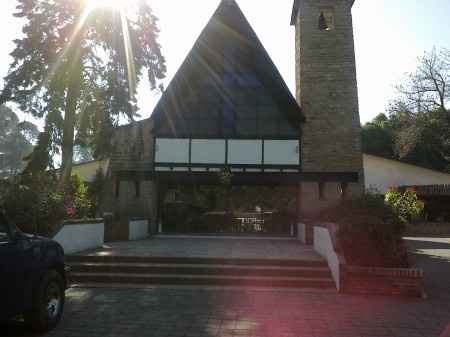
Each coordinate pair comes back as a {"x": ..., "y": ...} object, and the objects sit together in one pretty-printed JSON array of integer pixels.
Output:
[{"x": 48, "y": 303}]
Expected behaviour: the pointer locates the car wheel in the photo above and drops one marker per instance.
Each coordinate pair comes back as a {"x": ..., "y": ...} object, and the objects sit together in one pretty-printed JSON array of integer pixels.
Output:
[{"x": 48, "y": 303}]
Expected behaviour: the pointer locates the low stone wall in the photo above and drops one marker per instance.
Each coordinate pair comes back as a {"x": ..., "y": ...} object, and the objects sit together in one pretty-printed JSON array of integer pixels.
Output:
[
  {"x": 77, "y": 236},
  {"x": 138, "y": 229},
  {"x": 428, "y": 228},
  {"x": 363, "y": 280}
]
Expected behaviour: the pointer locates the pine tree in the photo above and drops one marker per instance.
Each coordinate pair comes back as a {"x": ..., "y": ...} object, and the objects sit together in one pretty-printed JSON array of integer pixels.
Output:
[{"x": 78, "y": 66}]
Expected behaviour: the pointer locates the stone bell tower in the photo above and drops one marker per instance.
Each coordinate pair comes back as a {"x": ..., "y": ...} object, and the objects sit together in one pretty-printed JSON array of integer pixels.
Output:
[{"x": 326, "y": 87}]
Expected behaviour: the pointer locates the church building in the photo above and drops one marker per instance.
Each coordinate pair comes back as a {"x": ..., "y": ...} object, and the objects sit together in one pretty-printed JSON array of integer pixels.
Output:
[{"x": 229, "y": 149}]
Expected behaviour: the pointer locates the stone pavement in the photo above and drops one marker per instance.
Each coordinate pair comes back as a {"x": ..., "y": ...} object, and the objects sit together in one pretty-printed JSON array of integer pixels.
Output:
[
  {"x": 211, "y": 247},
  {"x": 172, "y": 312},
  {"x": 206, "y": 313}
]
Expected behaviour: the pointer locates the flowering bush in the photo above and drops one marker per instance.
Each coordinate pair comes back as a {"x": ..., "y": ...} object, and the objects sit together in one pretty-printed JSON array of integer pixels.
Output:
[
  {"x": 34, "y": 203},
  {"x": 76, "y": 199},
  {"x": 31, "y": 201},
  {"x": 406, "y": 205}
]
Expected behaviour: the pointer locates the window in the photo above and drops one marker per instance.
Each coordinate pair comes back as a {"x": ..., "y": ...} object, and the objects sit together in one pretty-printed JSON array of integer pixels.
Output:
[{"x": 326, "y": 19}]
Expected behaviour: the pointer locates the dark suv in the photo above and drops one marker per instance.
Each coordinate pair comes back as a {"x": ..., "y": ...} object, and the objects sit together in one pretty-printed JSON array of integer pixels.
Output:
[{"x": 33, "y": 277}]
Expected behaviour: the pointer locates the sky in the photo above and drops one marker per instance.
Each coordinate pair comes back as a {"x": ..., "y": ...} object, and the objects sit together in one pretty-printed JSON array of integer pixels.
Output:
[{"x": 389, "y": 37}]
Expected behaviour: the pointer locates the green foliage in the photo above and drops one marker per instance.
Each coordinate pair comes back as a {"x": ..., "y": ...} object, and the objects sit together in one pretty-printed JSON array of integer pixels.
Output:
[
  {"x": 95, "y": 191},
  {"x": 417, "y": 129},
  {"x": 33, "y": 202},
  {"x": 406, "y": 205},
  {"x": 421, "y": 139},
  {"x": 77, "y": 201},
  {"x": 78, "y": 70},
  {"x": 225, "y": 177},
  {"x": 377, "y": 137},
  {"x": 16, "y": 141},
  {"x": 368, "y": 231}
]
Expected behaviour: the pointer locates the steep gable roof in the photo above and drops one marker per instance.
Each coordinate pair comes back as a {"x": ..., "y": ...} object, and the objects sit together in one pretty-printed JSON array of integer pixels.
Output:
[{"x": 227, "y": 33}]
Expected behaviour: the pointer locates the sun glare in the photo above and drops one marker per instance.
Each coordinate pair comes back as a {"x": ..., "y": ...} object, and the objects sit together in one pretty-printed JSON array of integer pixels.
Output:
[
  {"x": 122, "y": 7},
  {"x": 115, "y": 4}
]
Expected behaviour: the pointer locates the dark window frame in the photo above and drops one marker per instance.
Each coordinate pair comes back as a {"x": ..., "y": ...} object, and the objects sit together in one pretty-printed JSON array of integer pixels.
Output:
[{"x": 322, "y": 194}]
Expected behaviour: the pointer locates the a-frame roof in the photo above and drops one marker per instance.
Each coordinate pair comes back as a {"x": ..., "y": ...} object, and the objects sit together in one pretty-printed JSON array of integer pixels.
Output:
[{"x": 227, "y": 29}]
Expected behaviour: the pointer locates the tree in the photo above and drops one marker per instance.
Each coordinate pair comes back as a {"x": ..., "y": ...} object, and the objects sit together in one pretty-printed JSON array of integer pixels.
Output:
[
  {"x": 420, "y": 116},
  {"x": 428, "y": 88},
  {"x": 77, "y": 67},
  {"x": 16, "y": 141},
  {"x": 377, "y": 137}
]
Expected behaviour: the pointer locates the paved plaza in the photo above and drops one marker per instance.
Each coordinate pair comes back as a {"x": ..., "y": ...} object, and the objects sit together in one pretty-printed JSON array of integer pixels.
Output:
[
  {"x": 172, "y": 312},
  {"x": 211, "y": 247}
]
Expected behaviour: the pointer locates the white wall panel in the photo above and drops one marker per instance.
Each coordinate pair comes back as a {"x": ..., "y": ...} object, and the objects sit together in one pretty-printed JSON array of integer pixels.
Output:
[
  {"x": 281, "y": 152},
  {"x": 246, "y": 152},
  {"x": 138, "y": 230},
  {"x": 208, "y": 151},
  {"x": 172, "y": 151},
  {"x": 76, "y": 238},
  {"x": 381, "y": 174}
]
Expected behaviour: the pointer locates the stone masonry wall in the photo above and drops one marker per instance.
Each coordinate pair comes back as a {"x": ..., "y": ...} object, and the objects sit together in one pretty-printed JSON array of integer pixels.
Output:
[
  {"x": 133, "y": 154},
  {"x": 133, "y": 147},
  {"x": 327, "y": 89}
]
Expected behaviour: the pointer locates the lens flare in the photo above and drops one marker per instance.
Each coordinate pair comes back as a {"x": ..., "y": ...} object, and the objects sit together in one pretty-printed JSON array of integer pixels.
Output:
[
  {"x": 122, "y": 7},
  {"x": 116, "y": 4}
]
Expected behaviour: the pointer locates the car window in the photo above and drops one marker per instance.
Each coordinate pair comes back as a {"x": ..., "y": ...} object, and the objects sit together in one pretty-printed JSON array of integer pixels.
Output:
[{"x": 3, "y": 229}]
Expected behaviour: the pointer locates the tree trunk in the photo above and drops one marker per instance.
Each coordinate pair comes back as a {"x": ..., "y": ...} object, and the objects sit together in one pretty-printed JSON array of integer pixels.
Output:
[{"x": 73, "y": 95}]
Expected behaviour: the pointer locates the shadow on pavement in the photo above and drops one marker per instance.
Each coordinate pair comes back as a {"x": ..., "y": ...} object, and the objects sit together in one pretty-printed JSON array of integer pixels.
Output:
[
  {"x": 433, "y": 256},
  {"x": 15, "y": 328}
]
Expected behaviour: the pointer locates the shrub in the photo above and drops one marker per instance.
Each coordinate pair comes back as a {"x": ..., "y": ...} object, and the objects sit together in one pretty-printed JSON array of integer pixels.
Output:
[
  {"x": 369, "y": 232},
  {"x": 406, "y": 205},
  {"x": 33, "y": 201},
  {"x": 95, "y": 191},
  {"x": 76, "y": 198}
]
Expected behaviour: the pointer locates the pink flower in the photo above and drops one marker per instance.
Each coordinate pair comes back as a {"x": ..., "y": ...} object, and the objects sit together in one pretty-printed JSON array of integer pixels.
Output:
[{"x": 70, "y": 211}]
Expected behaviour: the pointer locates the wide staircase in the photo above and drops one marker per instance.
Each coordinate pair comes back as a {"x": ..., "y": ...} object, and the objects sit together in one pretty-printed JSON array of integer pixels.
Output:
[{"x": 192, "y": 271}]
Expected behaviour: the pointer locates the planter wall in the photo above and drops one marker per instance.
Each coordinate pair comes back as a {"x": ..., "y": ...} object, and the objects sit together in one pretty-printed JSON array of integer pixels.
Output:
[
  {"x": 363, "y": 280},
  {"x": 138, "y": 229},
  {"x": 428, "y": 228},
  {"x": 323, "y": 244},
  {"x": 78, "y": 236},
  {"x": 383, "y": 281}
]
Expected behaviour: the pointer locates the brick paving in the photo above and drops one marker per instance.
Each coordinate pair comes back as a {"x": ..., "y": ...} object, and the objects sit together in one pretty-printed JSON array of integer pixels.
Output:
[
  {"x": 172, "y": 312},
  {"x": 165, "y": 312}
]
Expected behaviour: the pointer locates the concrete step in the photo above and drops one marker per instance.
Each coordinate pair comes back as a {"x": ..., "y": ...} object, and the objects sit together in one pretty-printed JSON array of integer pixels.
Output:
[
  {"x": 198, "y": 269},
  {"x": 203, "y": 280},
  {"x": 111, "y": 285},
  {"x": 195, "y": 260}
]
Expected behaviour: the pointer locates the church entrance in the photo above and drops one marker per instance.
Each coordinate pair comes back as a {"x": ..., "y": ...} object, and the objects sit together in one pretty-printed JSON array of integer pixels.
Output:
[{"x": 229, "y": 210}]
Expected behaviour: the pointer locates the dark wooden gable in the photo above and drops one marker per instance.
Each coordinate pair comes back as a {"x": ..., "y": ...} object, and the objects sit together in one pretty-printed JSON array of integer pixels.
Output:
[{"x": 228, "y": 87}]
